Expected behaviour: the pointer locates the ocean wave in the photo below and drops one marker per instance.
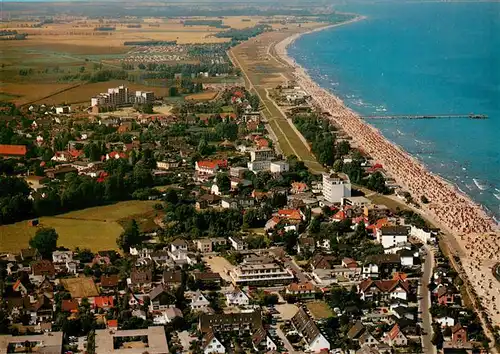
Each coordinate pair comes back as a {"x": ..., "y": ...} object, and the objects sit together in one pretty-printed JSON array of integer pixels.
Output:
[{"x": 480, "y": 185}]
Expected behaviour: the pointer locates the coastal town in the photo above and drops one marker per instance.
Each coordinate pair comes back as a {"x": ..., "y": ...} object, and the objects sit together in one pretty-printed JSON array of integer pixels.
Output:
[{"x": 239, "y": 208}]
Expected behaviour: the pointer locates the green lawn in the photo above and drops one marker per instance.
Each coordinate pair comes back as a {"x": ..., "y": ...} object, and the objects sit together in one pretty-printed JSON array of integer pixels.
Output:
[{"x": 95, "y": 228}]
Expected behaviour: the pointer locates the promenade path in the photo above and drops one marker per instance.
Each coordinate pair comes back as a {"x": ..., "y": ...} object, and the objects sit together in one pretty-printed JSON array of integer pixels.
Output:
[{"x": 262, "y": 72}]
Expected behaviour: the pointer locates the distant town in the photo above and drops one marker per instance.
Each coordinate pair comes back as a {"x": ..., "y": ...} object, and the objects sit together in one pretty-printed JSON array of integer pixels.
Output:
[{"x": 213, "y": 215}]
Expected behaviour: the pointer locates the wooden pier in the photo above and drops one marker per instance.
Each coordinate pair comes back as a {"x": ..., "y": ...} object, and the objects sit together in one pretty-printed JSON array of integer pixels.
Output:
[{"x": 428, "y": 116}]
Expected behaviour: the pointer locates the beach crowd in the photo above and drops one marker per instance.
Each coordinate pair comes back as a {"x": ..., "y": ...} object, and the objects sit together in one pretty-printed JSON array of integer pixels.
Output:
[{"x": 449, "y": 207}]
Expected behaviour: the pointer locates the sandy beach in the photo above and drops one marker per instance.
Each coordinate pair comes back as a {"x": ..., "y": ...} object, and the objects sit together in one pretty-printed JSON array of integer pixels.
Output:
[{"x": 454, "y": 212}]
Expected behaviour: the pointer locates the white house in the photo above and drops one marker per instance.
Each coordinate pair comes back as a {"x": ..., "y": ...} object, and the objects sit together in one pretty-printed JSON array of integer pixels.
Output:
[
  {"x": 279, "y": 166},
  {"x": 237, "y": 243},
  {"x": 199, "y": 302},
  {"x": 62, "y": 256},
  {"x": 212, "y": 345},
  {"x": 390, "y": 236},
  {"x": 178, "y": 245},
  {"x": 215, "y": 189},
  {"x": 370, "y": 270},
  {"x": 407, "y": 258},
  {"x": 446, "y": 321},
  {"x": 237, "y": 298},
  {"x": 425, "y": 236}
]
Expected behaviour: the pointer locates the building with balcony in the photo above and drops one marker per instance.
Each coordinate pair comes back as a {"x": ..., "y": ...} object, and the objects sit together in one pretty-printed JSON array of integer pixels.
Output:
[{"x": 261, "y": 274}]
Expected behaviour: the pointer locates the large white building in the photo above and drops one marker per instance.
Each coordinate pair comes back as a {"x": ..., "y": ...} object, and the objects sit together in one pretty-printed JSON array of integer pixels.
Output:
[
  {"x": 336, "y": 186},
  {"x": 120, "y": 96},
  {"x": 260, "y": 274},
  {"x": 261, "y": 154}
]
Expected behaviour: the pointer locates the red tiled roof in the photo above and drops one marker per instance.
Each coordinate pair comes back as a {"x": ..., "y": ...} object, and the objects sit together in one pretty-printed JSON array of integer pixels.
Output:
[
  {"x": 394, "y": 332},
  {"x": 13, "y": 150},
  {"x": 212, "y": 164},
  {"x": 112, "y": 323},
  {"x": 307, "y": 286},
  {"x": 69, "y": 305},
  {"x": 262, "y": 142},
  {"x": 113, "y": 154},
  {"x": 104, "y": 301},
  {"x": 292, "y": 214},
  {"x": 76, "y": 153}
]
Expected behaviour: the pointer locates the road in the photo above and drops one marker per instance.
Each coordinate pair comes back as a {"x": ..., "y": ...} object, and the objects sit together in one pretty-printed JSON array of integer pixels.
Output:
[
  {"x": 285, "y": 341},
  {"x": 425, "y": 301},
  {"x": 290, "y": 263},
  {"x": 263, "y": 72}
]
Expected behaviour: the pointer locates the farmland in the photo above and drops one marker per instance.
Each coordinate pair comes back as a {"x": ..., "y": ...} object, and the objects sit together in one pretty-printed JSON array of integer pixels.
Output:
[
  {"x": 95, "y": 228},
  {"x": 51, "y": 64}
]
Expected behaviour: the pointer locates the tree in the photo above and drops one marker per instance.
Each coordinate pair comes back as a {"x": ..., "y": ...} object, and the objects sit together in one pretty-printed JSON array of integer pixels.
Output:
[
  {"x": 437, "y": 338},
  {"x": 376, "y": 182},
  {"x": 130, "y": 237},
  {"x": 45, "y": 241},
  {"x": 315, "y": 225},
  {"x": 424, "y": 199},
  {"x": 223, "y": 182},
  {"x": 337, "y": 165}
]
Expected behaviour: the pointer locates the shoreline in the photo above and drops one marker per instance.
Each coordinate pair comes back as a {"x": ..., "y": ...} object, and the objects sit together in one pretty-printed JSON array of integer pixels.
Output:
[{"x": 452, "y": 204}]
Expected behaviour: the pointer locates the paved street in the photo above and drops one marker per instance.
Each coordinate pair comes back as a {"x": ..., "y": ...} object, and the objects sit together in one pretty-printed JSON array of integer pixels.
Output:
[
  {"x": 285, "y": 341},
  {"x": 290, "y": 263},
  {"x": 425, "y": 301}
]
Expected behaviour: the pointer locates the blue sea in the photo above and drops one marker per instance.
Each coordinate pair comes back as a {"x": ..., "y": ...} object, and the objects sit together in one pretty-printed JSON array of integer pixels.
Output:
[{"x": 422, "y": 59}]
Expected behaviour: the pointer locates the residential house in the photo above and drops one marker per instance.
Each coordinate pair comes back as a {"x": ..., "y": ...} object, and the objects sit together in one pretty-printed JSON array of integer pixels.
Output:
[
  {"x": 367, "y": 339},
  {"x": 237, "y": 297},
  {"x": 237, "y": 243},
  {"x": 206, "y": 278},
  {"x": 141, "y": 279},
  {"x": 320, "y": 261},
  {"x": 230, "y": 322},
  {"x": 356, "y": 331},
  {"x": 383, "y": 289},
  {"x": 381, "y": 265},
  {"x": 299, "y": 187},
  {"x": 445, "y": 321},
  {"x": 445, "y": 296},
  {"x": 305, "y": 326},
  {"x": 199, "y": 302},
  {"x": 207, "y": 200},
  {"x": 304, "y": 290},
  {"x": 178, "y": 245},
  {"x": 458, "y": 334},
  {"x": 211, "y": 345},
  {"x": 261, "y": 341},
  {"x": 103, "y": 302},
  {"x": 390, "y": 236},
  {"x": 156, "y": 299},
  {"x": 62, "y": 256},
  {"x": 110, "y": 281},
  {"x": 43, "y": 268},
  {"x": 12, "y": 151},
  {"x": 395, "y": 337},
  {"x": 206, "y": 245},
  {"x": 70, "y": 305},
  {"x": 172, "y": 278}
]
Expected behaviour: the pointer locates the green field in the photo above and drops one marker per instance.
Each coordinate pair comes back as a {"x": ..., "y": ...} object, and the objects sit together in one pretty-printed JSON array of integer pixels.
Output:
[{"x": 94, "y": 228}]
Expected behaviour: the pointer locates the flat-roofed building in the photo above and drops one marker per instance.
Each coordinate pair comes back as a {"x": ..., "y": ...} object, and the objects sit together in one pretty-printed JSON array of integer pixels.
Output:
[
  {"x": 106, "y": 341},
  {"x": 47, "y": 343},
  {"x": 261, "y": 154},
  {"x": 336, "y": 186},
  {"x": 261, "y": 274}
]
